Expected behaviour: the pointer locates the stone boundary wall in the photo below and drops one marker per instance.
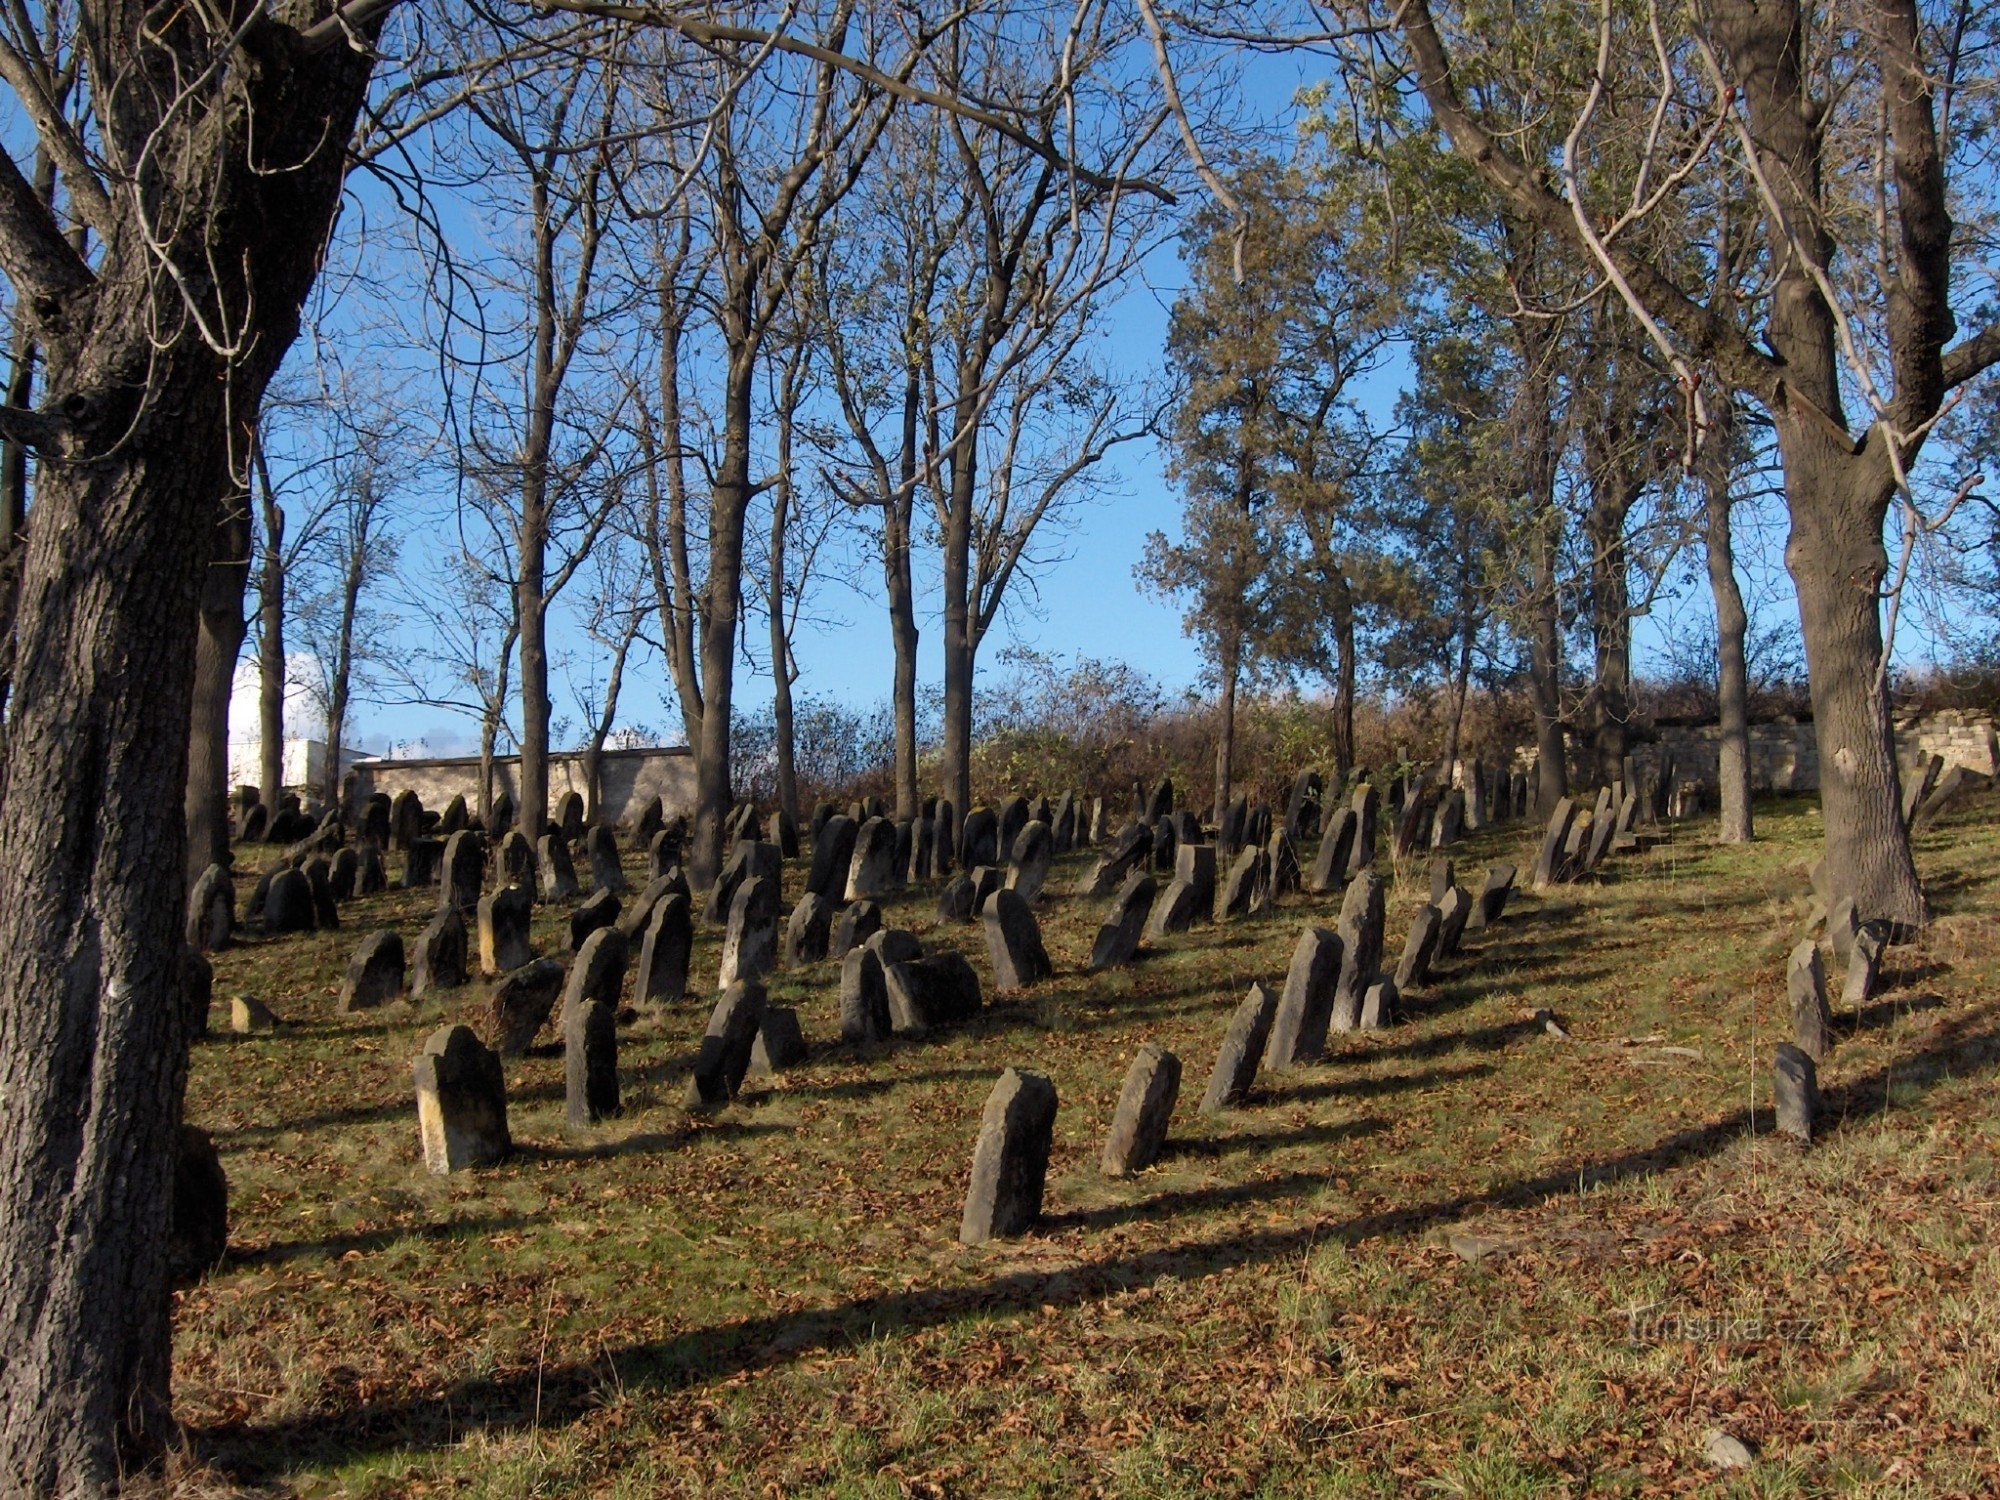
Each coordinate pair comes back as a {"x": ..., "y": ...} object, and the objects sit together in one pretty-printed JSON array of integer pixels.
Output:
[{"x": 630, "y": 778}]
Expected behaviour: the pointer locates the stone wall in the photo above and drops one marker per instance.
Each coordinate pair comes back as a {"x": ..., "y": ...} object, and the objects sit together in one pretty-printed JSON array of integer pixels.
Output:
[{"x": 630, "y": 778}]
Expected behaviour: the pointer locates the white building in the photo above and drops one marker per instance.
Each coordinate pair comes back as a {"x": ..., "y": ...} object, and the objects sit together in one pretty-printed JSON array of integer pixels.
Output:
[{"x": 305, "y": 762}]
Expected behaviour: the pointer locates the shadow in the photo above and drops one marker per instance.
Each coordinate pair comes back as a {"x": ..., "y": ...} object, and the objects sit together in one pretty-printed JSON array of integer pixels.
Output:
[
  {"x": 1195, "y": 1200},
  {"x": 551, "y": 1395},
  {"x": 868, "y": 1088},
  {"x": 1481, "y": 1039},
  {"x": 337, "y": 1245},
  {"x": 1215, "y": 1147},
  {"x": 1878, "y": 1014},
  {"x": 1374, "y": 1088},
  {"x": 648, "y": 1142}
]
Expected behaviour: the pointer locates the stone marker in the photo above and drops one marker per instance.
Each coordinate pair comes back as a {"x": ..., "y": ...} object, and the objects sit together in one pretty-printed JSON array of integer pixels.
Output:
[
  {"x": 1118, "y": 937},
  {"x": 858, "y": 923},
  {"x": 406, "y": 820},
  {"x": 1014, "y": 942},
  {"x": 198, "y": 1222},
  {"x": 663, "y": 952},
  {"x": 518, "y": 864},
  {"x": 568, "y": 815},
  {"x": 1282, "y": 863},
  {"x": 288, "y": 904},
  {"x": 1360, "y": 929},
  {"x": 1305, "y": 1007},
  {"x": 750, "y": 947},
  {"x": 663, "y": 853},
  {"x": 864, "y": 998},
  {"x": 1242, "y": 1048},
  {"x": 599, "y": 909},
  {"x": 1378, "y": 1006},
  {"x": 979, "y": 838},
  {"x": 600, "y": 851},
  {"x": 464, "y": 870},
  {"x": 371, "y": 877},
  {"x": 1921, "y": 787},
  {"x": 559, "y": 882},
  {"x": 809, "y": 931},
  {"x": 779, "y": 1045},
  {"x": 1443, "y": 878},
  {"x": 1492, "y": 902},
  {"x": 637, "y": 917},
  {"x": 1419, "y": 949},
  {"x": 374, "y": 974},
  {"x": 211, "y": 910},
  {"x": 1336, "y": 848},
  {"x": 598, "y": 973},
  {"x": 1361, "y": 854},
  {"x": 504, "y": 918},
  {"x": 1795, "y": 1091},
  {"x": 455, "y": 818},
  {"x": 1028, "y": 869},
  {"x": 440, "y": 961},
  {"x": 1248, "y": 876},
  {"x": 922, "y": 993},
  {"x": 725, "y": 1046},
  {"x": 590, "y": 1060},
  {"x": 1549, "y": 863},
  {"x": 1603, "y": 824},
  {"x": 520, "y": 1002},
  {"x": 319, "y": 880},
  {"x": 1453, "y": 913},
  {"x": 461, "y": 1101},
  {"x": 747, "y": 859},
  {"x": 1145, "y": 1106},
  {"x": 1015, "y": 814},
  {"x": 422, "y": 862},
  {"x": 342, "y": 874},
  {"x": 872, "y": 871},
  {"x": 1010, "y": 1161},
  {"x": 1842, "y": 922},
  {"x": 249, "y": 1016},
  {"x": 1864, "y": 961},
  {"x": 785, "y": 828},
  {"x": 1131, "y": 850},
  {"x": 1812, "y": 1021}
]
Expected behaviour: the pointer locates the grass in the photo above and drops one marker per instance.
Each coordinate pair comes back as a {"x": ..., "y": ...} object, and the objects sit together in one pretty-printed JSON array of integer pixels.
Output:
[{"x": 771, "y": 1301}]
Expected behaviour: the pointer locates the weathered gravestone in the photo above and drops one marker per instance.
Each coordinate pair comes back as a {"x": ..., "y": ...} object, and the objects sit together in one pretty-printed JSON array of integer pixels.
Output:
[
  {"x": 1443, "y": 877},
  {"x": 422, "y": 862},
  {"x": 1419, "y": 949},
  {"x": 786, "y": 828},
  {"x": 598, "y": 973},
  {"x": 1450, "y": 820},
  {"x": 406, "y": 820},
  {"x": 440, "y": 961},
  {"x": 319, "y": 879},
  {"x": 1921, "y": 786},
  {"x": 725, "y": 1046},
  {"x": 1864, "y": 959},
  {"x": 211, "y": 910},
  {"x": 600, "y": 850},
  {"x": 1305, "y": 1006},
  {"x": 979, "y": 839},
  {"x": 559, "y": 882},
  {"x": 872, "y": 871},
  {"x": 1028, "y": 868},
  {"x": 342, "y": 873},
  {"x": 1336, "y": 848},
  {"x": 1549, "y": 861},
  {"x": 747, "y": 859},
  {"x": 249, "y": 1016},
  {"x": 1010, "y": 1160},
  {"x": 520, "y": 1002},
  {"x": 504, "y": 918},
  {"x": 923, "y": 993},
  {"x": 1812, "y": 1021},
  {"x": 1118, "y": 936},
  {"x": 1015, "y": 815},
  {"x": 663, "y": 952},
  {"x": 809, "y": 930},
  {"x": 1603, "y": 824},
  {"x": 833, "y": 853},
  {"x": 1242, "y": 1048},
  {"x": 1249, "y": 877},
  {"x": 1145, "y": 1107},
  {"x": 780, "y": 1043},
  {"x": 371, "y": 877},
  {"x": 1795, "y": 1090},
  {"x": 635, "y": 918},
  {"x": 1378, "y": 1006},
  {"x": 864, "y": 998},
  {"x": 599, "y": 909},
  {"x": 1131, "y": 850},
  {"x": 198, "y": 1222},
  {"x": 1361, "y": 853},
  {"x": 859, "y": 921},
  {"x": 590, "y": 1063},
  {"x": 1453, "y": 913},
  {"x": 1014, "y": 942},
  {"x": 288, "y": 904},
  {"x": 1360, "y": 929},
  {"x": 750, "y": 946},
  {"x": 464, "y": 871},
  {"x": 1492, "y": 902},
  {"x": 568, "y": 815},
  {"x": 374, "y": 974},
  {"x": 461, "y": 1102},
  {"x": 1283, "y": 862}
]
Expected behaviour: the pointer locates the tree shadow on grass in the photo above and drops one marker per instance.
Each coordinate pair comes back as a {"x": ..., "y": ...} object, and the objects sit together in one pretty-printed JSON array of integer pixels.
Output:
[
  {"x": 333, "y": 1246},
  {"x": 1372, "y": 1088},
  {"x": 552, "y": 1395}
]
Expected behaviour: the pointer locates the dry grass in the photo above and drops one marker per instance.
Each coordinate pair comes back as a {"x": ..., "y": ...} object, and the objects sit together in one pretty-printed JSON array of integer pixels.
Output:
[{"x": 772, "y": 1301}]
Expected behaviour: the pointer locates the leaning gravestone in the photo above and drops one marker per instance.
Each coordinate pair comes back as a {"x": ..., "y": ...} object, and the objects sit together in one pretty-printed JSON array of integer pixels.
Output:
[
  {"x": 1010, "y": 1161},
  {"x": 461, "y": 1102},
  {"x": 1242, "y": 1048},
  {"x": 663, "y": 952},
  {"x": 859, "y": 922},
  {"x": 211, "y": 913},
  {"x": 1028, "y": 869},
  {"x": 1360, "y": 930},
  {"x": 464, "y": 871},
  {"x": 374, "y": 974},
  {"x": 559, "y": 882},
  {"x": 600, "y": 849},
  {"x": 590, "y": 1063},
  {"x": 1247, "y": 876},
  {"x": 1014, "y": 942},
  {"x": 1305, "y": 1007},
  {"x": 833, "y": 852},
  {"x": 1145, "y": 1106},
  {"x": 371, "y": 878},
  {"x": 343, "y": 873},
  {"x": 809, "y": 930},
  {"x": 1283, "y": 861},
  {"x": 1378, "y": 1006},
  {"x": 979, "y": 839},
  {"x": 750, "y": 947},
  {"x": 725, "y": 1046},
  {"x": 923, "y": 993},
  {"x": 520, "y": 1002},
  {"x": 1443, "y": 878},
  {"x": 1549, "y": 862},
  {"x": 872, "y": 871},
  {"x": 634, "y": 919},
  {"x": 1118, "y": 937},
  {"x": 422, "y": 862},
  {"x": 600, "y": 909},
  {"x": 1842, "y": 922},
  {"x": 1176, "y": 908},
  {"x": 1922, "y": 787},
  {"x": 1336, "y": 847},
  {"x": 288, "y": 906},
  {"x": 1453, "y": 912},
  {"x": 1131, "y": 850},
  {"x": 440, "y": 956},
  {"x": 504, "y": 918},
  {"x": 319, "y": 879},
  {"x": 598, "y": 973},
  {"x": 1419, "y": 949},
  {"x": 747, "y": 858},
  {"x": 1603, "y": 824},
  {"x": 1362, "y": 852},
  {"x": 1492, "y": 902},
  {"x": 1812, "y": 1022},
  {"x": 1864, "y": 959},
  {"x": 1796, "y": 1091},
  {"x": 779, "y": 1045},
  {"x": 864, "y": 999},
  {"x": 1015, "y": 814}
]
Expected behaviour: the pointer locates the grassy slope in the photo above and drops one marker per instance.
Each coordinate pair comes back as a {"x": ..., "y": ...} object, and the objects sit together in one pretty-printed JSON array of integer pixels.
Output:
[{"x": 772, "y": 1301}]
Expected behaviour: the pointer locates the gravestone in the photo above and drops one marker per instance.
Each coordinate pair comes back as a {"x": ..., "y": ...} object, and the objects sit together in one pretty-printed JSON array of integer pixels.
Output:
[
  {"x": 342, "y": 873},
  {"x": 1842, "y": 923},
  {"x": 1603, "y": 824},
  {"x": 518, "y": 865},
  {"x": 833, "y": 852},
  {"x": 1453, "y": 913},
  {"x": 917, "y": 868},
  {"x": 1010, "y": 1160},
  {"x": 590, "y": 1063},
  {"x": 440, "y": 961},
  {"x": 1283, "y": 863},
  {"x": 598, "y": 973},
  {"x": 809, "y": 931},
  {"x": 559, "y": 883},
  {"x": 906, "y": 835},
  {"x": 1161, "y": 802},
  {"x": 872, "y": 871},
  {"x": 319, "y": 880},
  {"x": 1795, "y": 1091},
  {"x": 1014, "y": 942},
  {"x": 725, "y": 1046},
  {"x": 1419, "y": 949},
  {"x": 1549, "y": 861},
  {"x": 786, "y": 827},
  {"x": 1360, "y": 929},
  {"x": 864, "y": 998},
  {"x": 1443, "y": 877},
  {"x": 1378, "y": 1006},
  {"x": 1477, "y": 800},
  {"x": 1242, "y": 1048},
  {"x": 211, "y": 910},
  {"x": 780, "y": 1044},
  {"x": 249, "y": 1016},
  {"x": 1305, "y": 1006},
  {"x": 1028, "y": 868},
  {"x": 747, "y": 858},
  {"x": 1195, "y": 864},
  {"x": 422, "y": 863},
  {"x": 1176, "y": 908},
  {"x": 823, "y": 813},
  {"x": 652, "y": 818},
  {"x": 1361, "y": 853},
  {"x": 1118, "y": 936},
  {"x": 520, "y": 1002},
  {"x": 945, "y": 833},
  {"x": 455, "y": 818},
  {"x": 1302, "y": 810},
  {"x": 1415, "y": 799},
  {"x": 373, "y": 824},
  {"x": 599, "y": 909},
  {"x": 1450, "y": 820},
  {"x": 374, "y": 974},
  {"x": 635, "y": 918},
  {"x": 1015, "y": 815},
  {"x": 1064, "y": 830},
  {"x": 922, "y": 993},
  {"x": 568, "y": 815},
  {"x": 1131, "y": 850},
  {"x": 288, "y": 905},
  {"x": 1230, "y": 824},
  {"x": 461, "y": 1102},
  {"x": 600, "y": 850},
  {"x": 859, "y": 922},
  {"x": 663, "y": 951},
  {"x": 464, "y": 871},
  {"x": 1921, "y": 787},
  {"x": 979, "y": 840},
  {"x": 1248, "y": 876},
  {"x": 198, "y": 1218},
  {"x": 256, "y": 824},
  {"x": 1864, "y": 959},
  {"x": 503, "y": 813},
  {"x": 504, "y": 918},
  {"x": 371, "y": 877},
  {"x": 1165, "y": 841},
  {"x": 750, "y": 946},
  {"x": 1492, "y": 902},
  {"x": 1336, "y": 848},
  {"x": 1812, "y": 1021},
  {"x": 1145, "y": 1107},
  {"x": 406, "y": 820}
]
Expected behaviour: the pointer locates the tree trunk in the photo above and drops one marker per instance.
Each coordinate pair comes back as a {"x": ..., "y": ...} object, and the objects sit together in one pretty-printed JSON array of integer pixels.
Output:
[
  {"x": 1732, "y": 623},
  {"x": 271, "y": 655},
  {"x": 1545, "y": 682},
  {"x": 1611, "y": 637},
  {"x": 1229, "y": 668},
  {"x": 1346, "y": 671},
  {"x": 217, "y": 645},
  {"x": 343, "y": 664},
  {"x": 960, "y": 649},
  {"x": 722, "y": 604},
  {"x": 902, "y": 600},
  {"x": 93, "y": 1041},
  {"x": 533, "y": 789},
  {"x": 1461, "y": 686}
]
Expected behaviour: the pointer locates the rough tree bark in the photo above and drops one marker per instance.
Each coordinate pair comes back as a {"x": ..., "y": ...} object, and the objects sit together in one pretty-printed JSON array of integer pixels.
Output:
[
  {"x": 152, "y": 435},
  {"x": 220, "y": 639},
  {"x": 271, "y": 645},
  {"x": 1732, "y": 624}
]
